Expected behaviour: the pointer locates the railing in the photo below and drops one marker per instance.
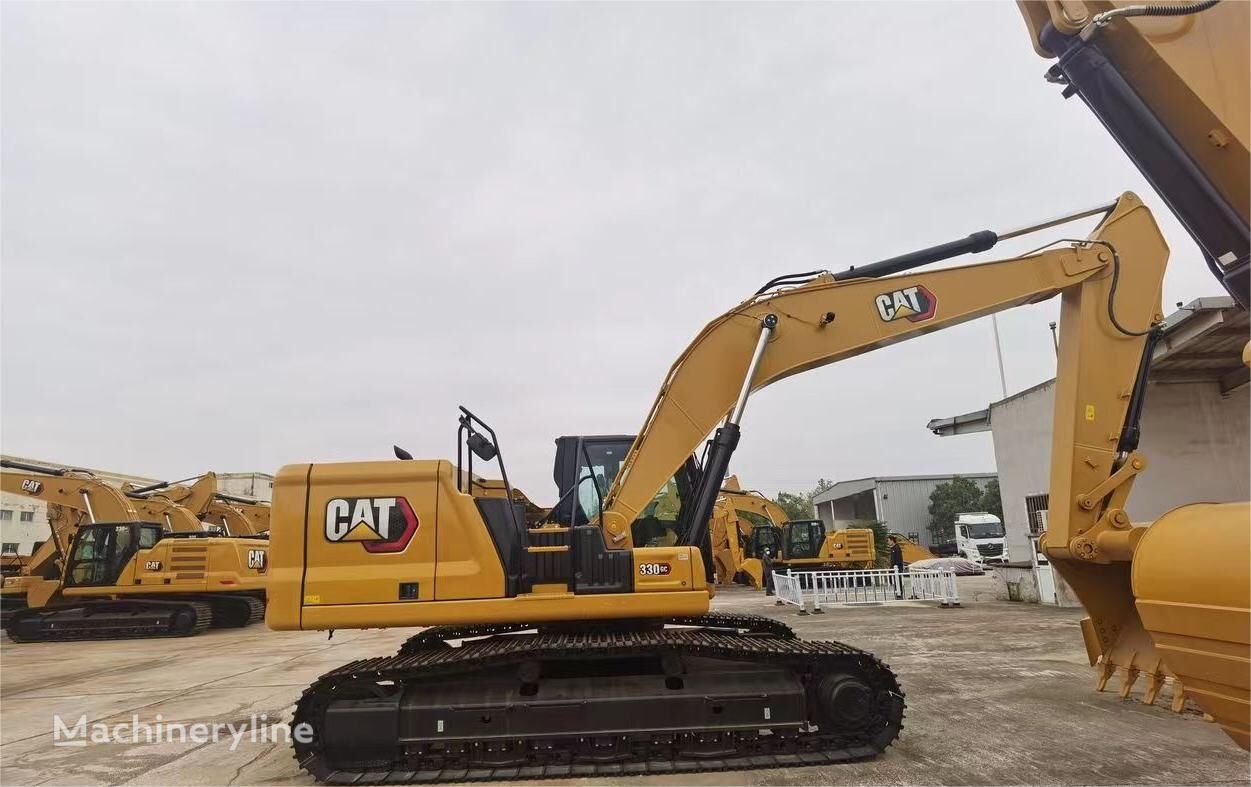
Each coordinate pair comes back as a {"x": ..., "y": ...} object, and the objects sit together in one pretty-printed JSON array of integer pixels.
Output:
[{"x": 869, "y": 586}]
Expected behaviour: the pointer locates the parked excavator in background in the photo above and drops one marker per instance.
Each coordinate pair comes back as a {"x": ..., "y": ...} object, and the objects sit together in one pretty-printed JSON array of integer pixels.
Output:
[
  {"x": 1171, "y": 82},
  {"x": 796, "y": 545},
  {"x": 104, "y": 573},
  {"x": 229, "y": 514},
  {"x": 912, "y": 551}
]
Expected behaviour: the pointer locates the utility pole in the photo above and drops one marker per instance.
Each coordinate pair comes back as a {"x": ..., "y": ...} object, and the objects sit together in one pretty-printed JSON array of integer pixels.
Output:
[{"x": 1003, "y": 380}]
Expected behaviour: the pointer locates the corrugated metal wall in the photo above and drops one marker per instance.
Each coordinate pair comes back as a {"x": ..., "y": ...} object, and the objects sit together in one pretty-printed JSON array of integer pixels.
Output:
[{"x": 905, "y": 505}]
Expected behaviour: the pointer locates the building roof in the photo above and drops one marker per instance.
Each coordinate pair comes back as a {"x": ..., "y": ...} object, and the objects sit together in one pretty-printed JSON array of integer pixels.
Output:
[
  {"x": 1202, "y": 342},
  {"x": 857, "y": 485}
]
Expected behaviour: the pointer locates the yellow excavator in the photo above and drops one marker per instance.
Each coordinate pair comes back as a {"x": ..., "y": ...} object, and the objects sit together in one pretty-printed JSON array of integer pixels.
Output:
[
  {"x": 911, "y": 550},
  {"x": 230, "y": 514},
  {"x": 583, "y": 652},
  {"x": 795, "y": 545},
  {"x": 106, "y": 572},
  {"x": 1171, "y": 83}
]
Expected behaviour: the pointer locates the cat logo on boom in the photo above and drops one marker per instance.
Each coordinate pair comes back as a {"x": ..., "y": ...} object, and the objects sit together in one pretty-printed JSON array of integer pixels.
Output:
[
  {"x": 31, "y": 485},
  {"x": 380, "y": 524},
  {"x": 916, "y": 304}
]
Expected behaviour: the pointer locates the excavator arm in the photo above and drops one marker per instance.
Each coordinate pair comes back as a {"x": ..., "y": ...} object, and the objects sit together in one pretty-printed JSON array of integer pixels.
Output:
[
  {"x": 69, "y": 489},
  {"x": 830, "y": 317},
  {"x": 237, "y": 517},
  {"x": 753, "y": 502}
]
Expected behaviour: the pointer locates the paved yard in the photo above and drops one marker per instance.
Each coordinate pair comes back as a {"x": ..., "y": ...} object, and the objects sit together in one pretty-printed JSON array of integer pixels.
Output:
[{"x": 998, "y": 693}]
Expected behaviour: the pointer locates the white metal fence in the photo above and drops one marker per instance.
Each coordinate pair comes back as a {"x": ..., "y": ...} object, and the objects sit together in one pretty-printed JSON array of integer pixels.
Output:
[{"x": 870, "y": 586}]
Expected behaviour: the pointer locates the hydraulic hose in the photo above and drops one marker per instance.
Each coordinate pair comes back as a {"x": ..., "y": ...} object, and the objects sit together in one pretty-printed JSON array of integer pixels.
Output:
[{"x": 1151, "y": 9}]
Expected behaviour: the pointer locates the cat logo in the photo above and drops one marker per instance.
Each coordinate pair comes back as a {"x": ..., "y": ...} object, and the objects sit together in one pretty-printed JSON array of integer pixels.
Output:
[
  {"x": 916, "y": 304},
  {"x": 380, "y": 524},
  {"x": 152, "y": 565},
  {"x": 256, "y": 559},
  {"x": 31, "y": 485}
]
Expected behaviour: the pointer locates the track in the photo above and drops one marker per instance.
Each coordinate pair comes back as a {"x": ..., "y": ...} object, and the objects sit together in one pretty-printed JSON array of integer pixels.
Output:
[
  {"x": 234, "y": 611},
  {"x": 371, "y": 694},
  {"x": 94, "y": 620}
]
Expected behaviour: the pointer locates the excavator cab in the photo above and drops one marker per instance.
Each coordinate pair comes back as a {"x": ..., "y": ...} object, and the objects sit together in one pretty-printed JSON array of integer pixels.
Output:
[
  {"x": 764, "y": 537},
  {"x": 586, "y": 467},
  {"x": 802, "y": 539},
  {"x": 102, "y": 550}
]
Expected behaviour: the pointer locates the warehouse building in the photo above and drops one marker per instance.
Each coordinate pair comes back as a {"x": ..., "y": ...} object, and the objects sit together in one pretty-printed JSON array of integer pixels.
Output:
[
  {"x": 24, "y": 521},
  {"x": 1194, "y": 427},
  {"x": 902, "y": 502}
]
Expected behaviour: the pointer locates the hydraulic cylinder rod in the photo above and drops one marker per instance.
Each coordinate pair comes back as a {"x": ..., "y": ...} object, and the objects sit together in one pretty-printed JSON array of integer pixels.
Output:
[{"x": 724, "y": 441}]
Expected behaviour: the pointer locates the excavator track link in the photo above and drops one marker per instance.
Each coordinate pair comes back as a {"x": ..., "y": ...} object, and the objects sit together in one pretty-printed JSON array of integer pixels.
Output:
[
  {"x": 235, "y": 611},
  {"x": 414, "y": 754},
  {"x": 438, "y": 636},
  {"x": 95, "y": 620}
]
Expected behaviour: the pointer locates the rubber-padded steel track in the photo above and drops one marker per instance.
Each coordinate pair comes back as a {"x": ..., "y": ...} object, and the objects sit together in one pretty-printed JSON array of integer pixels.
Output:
[
  {"x": 743, "y": 639},
  {"x": 92, "y": 620}
]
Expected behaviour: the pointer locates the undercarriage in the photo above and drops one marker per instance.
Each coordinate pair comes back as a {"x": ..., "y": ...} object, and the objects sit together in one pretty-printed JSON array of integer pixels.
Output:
[{"x": 607, "y": 698}]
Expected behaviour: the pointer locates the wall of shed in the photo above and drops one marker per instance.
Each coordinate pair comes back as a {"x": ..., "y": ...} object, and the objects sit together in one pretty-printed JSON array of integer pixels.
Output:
[
  {"x": 1194, "y": 439},
  {"x": 905, "y": 505}
]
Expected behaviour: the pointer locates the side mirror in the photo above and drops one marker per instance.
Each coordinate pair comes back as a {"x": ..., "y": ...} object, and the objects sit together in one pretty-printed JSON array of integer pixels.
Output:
[
  {"x": 400, "y": 453},
  {"x": 482, "y": 448}
]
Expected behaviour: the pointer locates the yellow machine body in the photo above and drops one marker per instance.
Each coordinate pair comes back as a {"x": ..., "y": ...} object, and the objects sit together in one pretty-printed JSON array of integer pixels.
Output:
[
  {"x": 188, "y": 565},
  {"x": 912, "y": 551},
  {"x": 448, "y": 569}
]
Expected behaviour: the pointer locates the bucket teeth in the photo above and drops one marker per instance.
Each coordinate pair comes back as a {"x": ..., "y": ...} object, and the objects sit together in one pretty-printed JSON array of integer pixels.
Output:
[
  {"x": 1179, "y": 696},
  {"x": 1152, "y": 690},
  {"x": 1106, "y": 671},
  {"x": 1156, "y": 677},
  {"x": 1128, "y": 677}
]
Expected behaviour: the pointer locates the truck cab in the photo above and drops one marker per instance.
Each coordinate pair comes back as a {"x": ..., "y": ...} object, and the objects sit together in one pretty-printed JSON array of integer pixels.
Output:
[{"x": 980, "y": 538}]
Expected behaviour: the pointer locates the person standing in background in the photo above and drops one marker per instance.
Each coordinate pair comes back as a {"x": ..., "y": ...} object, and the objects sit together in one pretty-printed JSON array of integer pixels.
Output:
[{"x": 897, "y": 564}]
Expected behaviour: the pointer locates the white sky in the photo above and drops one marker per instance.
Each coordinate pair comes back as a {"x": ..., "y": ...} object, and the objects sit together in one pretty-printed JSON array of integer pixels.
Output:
[{"x": 238, "y": 236}]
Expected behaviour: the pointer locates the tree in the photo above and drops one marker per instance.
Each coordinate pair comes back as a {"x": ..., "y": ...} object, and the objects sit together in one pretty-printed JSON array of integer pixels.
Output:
[
  {"x": 881, "y": 546},
  {"x": 991, "y": 502},
  {"x": 797, "y": 506},
  {"x": 954, "y": 497}
]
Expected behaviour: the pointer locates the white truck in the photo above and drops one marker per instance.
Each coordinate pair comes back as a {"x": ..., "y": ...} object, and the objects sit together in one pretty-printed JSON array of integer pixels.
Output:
[{"x": 980, "y": 538}]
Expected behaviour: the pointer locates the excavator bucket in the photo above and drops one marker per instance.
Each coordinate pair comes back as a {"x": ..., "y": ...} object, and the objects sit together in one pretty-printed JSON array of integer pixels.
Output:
[{"x": 1177, "y": 615}]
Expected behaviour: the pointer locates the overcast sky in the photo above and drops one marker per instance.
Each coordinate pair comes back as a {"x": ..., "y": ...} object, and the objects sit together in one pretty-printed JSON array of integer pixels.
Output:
[{"x": 239, "y": 236}]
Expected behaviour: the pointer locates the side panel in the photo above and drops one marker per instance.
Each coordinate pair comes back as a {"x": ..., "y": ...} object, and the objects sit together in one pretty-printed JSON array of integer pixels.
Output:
[
  {"x": 352, "y": 537},
  {"x": 668, "y": 569},
  {"x": 370, "y": 533},
  {"x": 468, "y": 563}
]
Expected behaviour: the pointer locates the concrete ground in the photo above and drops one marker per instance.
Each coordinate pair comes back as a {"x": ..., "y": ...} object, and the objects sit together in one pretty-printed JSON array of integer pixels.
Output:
[{"x": 998, "y": 693}]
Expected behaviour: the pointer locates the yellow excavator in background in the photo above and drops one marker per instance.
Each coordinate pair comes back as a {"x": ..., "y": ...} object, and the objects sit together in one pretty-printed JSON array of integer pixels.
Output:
[
  {"x": 583, "y": 652},
  {"x": 795, "y": 545},
  {"x": 1171, "y": 82},
  {"x": 912, "y": 551},
  {"x": 238, "y": 516},
  {"x": 231, "y": 514},
  {"x": 107, "y": 573}
]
